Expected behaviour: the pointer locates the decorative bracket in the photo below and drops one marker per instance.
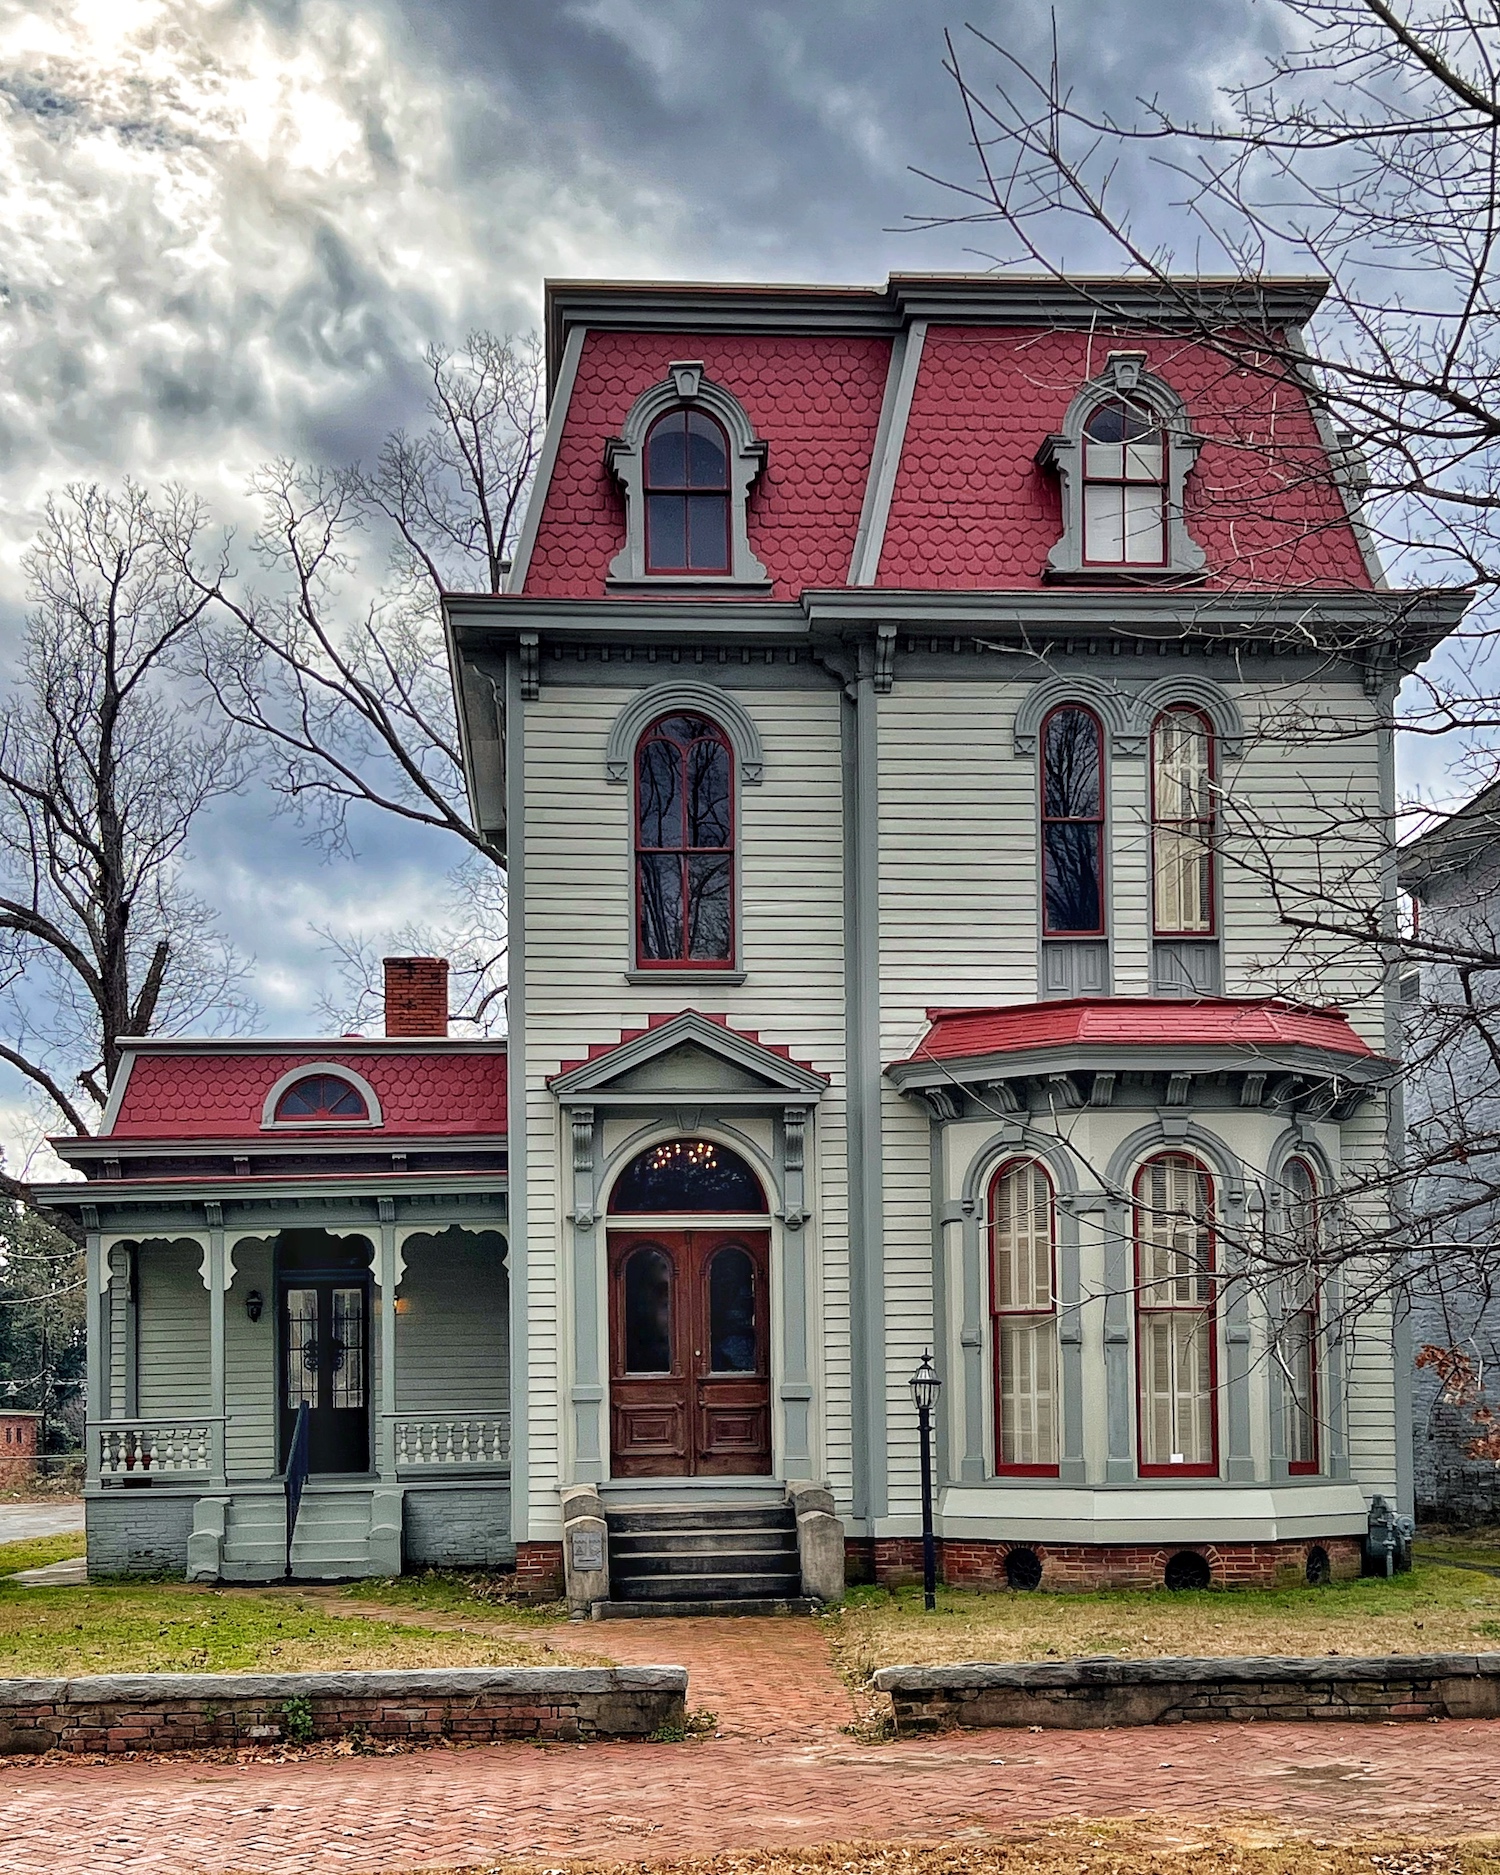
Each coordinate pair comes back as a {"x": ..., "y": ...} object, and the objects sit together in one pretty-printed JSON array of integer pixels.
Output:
[{"x": 531, "y": 665}]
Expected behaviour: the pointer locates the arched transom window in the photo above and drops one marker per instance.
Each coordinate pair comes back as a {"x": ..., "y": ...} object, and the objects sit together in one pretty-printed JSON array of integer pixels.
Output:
[
  {"x": 686, "y": 483},
  {"x": 687, "y": 1175},
  {"x": 1023, "y": 1319},
  {"x": 1174, "y": 1292},
  {"x": 1124, "y": 486},
  {"x": 684, "y": 845},
  {"x": 1182, "y": 823},
  {"x": 322, "y": 1097},
  {"x": 1072, "y": 756}
]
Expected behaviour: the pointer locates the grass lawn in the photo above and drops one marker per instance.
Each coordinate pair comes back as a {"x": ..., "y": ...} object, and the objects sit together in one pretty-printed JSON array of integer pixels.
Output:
[
  {"x": 1432, "y": 1610},
  {"x": 163, "y": 1627},
  {"x": 37, "y": 1550},
  {"x": 456, "y": 1592}
]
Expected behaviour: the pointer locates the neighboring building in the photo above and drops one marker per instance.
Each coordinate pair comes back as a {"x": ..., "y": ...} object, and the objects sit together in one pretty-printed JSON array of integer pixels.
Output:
[
  {"x": 19, "y": 1447},
  {"x": 1452, "y": 872},
  {"x": 878, "y": 674}
]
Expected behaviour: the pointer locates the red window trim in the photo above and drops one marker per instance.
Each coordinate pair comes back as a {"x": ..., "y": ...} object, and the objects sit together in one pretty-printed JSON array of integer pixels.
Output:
[
  {"x": 1210, "y": 825},
  {"x": 996, "y": 1314},
  {"x": 1211, "y": 1310},
  {"x": 1101, "y": 821},
  {"x": 726, "y": 571},
  {"x": 1311, "y": 1467},
  {"x": 706, "y": 964}
]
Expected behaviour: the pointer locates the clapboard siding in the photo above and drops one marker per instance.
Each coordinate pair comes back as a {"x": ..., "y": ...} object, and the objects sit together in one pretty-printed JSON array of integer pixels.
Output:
[
  {"x": 577, "y": 949},
  {"x": 453, "y": 1328},
  {"x": 172, "y": 1335},
  {"x": 250, "y": 1365}
]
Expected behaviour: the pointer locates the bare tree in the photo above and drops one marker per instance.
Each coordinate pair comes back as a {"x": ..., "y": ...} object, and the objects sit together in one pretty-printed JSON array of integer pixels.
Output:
[
  {"x": 344, "y": 675},
  {"x": 103, "y": 770}
]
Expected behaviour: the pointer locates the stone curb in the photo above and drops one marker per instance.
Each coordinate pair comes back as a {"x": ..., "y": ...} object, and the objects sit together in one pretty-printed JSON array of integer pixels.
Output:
[
  {"x": 149, "y": 1689},
  {"x": 1185, "y": 1670}
]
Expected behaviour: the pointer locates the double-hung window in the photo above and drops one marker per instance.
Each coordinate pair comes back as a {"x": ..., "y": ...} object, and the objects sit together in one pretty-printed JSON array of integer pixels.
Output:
[
  {"x": 686, "y": 488},
  {"x": 1299, "y": 1328},
  {"x": 1072, "y": 754},
  {"x": 1175, "y": 1323},
  {"x": 684, "y": 845},
  {"x": 1182, "y": 823},
  {"x": 1124, "y": 486},
  {"x": 1023, "y": 1318}
]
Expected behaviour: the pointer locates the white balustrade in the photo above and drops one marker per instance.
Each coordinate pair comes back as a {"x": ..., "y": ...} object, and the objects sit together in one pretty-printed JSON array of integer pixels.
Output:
[
  {"x": 452, "y": 1442},
  {"x": 155, "y": 1448}
]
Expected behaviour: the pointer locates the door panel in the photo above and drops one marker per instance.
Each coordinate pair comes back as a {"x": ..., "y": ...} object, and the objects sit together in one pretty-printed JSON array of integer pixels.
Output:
[
  {"x": 689, "y": 1354},
  {"x": 325, "y": 1365}
]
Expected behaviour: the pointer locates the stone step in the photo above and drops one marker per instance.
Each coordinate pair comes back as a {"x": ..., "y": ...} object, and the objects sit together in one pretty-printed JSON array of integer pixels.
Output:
[
  {"x": 666, "y": 1566},
  {"x": 738, "y": 1605},
  {"x": 691, "y": 1517},
  {"x": 730, "y": 1585},
  {"x": 703, "y": 1542}
]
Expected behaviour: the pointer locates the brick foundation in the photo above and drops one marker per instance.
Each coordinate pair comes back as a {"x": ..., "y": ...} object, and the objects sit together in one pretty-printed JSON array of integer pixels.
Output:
[
  {"x": 972, "y": 1564},
  {"x": 466, "y": 1705},
  {"x": 539, "y": 1572}
]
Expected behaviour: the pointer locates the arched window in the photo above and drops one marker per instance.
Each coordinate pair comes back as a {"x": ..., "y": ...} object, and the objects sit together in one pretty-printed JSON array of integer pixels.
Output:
[
  {"x": 648, "y": 1312},
  {"x": 1072, "y": 755},
  {"x": 1182, "y": 823},
  {"x": 1023, "y": 1319},
  {"x": 1124, "y": 486},
  {"x": 1176, "y": 1359},
  {"x": 322, "y": 1097},
  {"x": 684, "y": 845},
  {"x": 686, "y": 485},
  {"x": 688, "y": 1175},
  {"x": 1298, "y": 1340}
]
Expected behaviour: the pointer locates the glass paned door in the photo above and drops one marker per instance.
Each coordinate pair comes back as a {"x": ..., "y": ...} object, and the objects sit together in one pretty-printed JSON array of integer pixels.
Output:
[{"x": 325, "y": 1366}]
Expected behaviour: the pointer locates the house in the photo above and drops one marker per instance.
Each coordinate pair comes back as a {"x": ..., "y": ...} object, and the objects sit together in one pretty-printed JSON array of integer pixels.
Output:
[
  {"x": 1452, "y": 873},
  {"x": 883, "y": 722}
]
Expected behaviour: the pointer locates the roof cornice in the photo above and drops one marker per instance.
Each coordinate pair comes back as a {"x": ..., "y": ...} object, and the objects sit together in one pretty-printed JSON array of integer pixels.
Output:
[
  {"x": 366, "y": 1144},
  {"x": 301, "y": 1045}
]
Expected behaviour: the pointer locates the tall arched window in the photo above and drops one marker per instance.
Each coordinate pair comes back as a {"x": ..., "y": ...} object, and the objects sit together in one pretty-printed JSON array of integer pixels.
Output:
[
  {"x": 1182, "y": 823},
  {"x": 1176, "y": 1358},
  {"x": 686, "y": 485},
  {"x": 1298, "y": 1340},
  {"x": 1124, "y": 486},
  {"x": 684, "y": 845},
  {"x": 1023, "y": 1319},
  {"x": 1072, "y": 754}
]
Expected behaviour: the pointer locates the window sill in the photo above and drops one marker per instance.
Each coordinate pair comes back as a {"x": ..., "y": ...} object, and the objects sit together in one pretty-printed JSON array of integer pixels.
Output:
[
  {"x": 690, "y": 586},
  {"x": 732, "y": 977},
  {"x": 1114, "y": 577}
]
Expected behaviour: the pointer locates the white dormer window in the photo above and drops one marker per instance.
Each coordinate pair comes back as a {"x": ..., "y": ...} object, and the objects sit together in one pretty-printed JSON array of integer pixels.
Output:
[{"x": 1122, "y": 457}]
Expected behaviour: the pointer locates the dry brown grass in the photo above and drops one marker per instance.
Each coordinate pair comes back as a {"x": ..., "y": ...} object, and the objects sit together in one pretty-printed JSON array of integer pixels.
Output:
[
  {"x": 1147, "y": 1848},
  {"x": 1435, "y": 1609}
]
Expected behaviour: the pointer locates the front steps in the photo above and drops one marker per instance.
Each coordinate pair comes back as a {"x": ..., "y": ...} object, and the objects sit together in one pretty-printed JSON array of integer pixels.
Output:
[
  {"x": 703, "y": 1559},
  {"x": 343, "y": 1532}
]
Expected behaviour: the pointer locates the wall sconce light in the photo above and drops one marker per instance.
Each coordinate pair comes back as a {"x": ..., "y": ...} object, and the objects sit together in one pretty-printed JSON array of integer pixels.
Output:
[{"x": 254, "y": 1303}]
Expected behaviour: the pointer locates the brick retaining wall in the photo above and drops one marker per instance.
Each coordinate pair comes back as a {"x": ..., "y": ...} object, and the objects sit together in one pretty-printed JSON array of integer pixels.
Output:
[
  {"x": 977, "y": 1564},
  {"x": 468, "y": 1705},
  {"x": 1081, "y": 1695}
]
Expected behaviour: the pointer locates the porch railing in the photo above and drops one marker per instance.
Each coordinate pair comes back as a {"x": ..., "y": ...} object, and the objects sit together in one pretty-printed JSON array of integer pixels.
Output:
[
  {"x": 452, "y": 1443},
  {"x": 158, "y": 1448}
]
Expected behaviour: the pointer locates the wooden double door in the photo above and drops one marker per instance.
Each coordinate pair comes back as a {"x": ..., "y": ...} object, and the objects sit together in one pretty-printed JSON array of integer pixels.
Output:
[{"x": 690, "y": 1369}]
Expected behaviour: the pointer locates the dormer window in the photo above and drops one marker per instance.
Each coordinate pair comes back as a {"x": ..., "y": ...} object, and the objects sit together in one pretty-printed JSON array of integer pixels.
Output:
[
  {"x": 1124, "y": 486},
  {"x": 1122, "y": 459},
  {"x": 321, "y": 1097},
  {"x": 687, "y": 495}
]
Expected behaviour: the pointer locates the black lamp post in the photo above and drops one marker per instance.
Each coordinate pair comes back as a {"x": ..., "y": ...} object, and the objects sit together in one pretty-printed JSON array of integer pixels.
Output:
[{"x": 925, "y": 1387}]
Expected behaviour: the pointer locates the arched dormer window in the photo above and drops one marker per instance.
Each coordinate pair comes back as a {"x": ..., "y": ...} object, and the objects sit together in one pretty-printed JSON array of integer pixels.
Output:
[
  {"x": 687, "y": 494},
  {"x": 1122, "y": 457},
  {"x": 321, "y": 1098},
  {"x": 1182, "y": 823},
  {"x": 686, "y": 460},
  {"x": 1072, "y": 791},
  {"x": 684, "y": 845}
]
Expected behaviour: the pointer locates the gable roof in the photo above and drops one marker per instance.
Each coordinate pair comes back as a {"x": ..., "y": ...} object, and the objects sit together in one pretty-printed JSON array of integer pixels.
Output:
[{"x": 622, "y": 1067}]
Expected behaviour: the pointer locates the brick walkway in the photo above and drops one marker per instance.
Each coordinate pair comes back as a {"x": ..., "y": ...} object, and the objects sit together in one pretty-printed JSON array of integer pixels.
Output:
[{"x": 782, "y": 1772}]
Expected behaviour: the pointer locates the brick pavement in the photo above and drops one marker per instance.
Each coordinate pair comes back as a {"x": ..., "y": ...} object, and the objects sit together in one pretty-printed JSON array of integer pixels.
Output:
[{"x": 782, "y": 1772}]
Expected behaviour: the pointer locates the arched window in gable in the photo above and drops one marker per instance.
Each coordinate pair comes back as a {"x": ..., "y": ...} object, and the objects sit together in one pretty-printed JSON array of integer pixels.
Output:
[
  {"x": 1182, "y": 823},
  {"x": 1023, "y": 1319},
  {"x": 320, "y": 1098},
  {"x": 686, "y": 482},
  {"x": 1176, "y": 1353},
  {"x": 1072, "y": 789},
  {"x": 684, "y": 845}
]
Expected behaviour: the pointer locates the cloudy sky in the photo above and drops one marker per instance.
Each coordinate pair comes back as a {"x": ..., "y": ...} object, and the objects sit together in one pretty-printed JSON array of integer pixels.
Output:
[{"x": 229, "y": 227}]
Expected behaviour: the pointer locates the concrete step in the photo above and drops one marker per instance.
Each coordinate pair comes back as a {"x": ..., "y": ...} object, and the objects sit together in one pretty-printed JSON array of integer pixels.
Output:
[
  {"x": 704, "y": 1542},
  {"x": 713, "y": 1562},
  {"x": 729, "y": 1586},
  {"x": 692, "y": 1517},
  {"x": 740, "y": 1605}
]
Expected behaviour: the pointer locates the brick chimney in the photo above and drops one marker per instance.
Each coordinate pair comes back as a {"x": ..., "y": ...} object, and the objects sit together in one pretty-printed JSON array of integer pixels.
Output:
[{"x": 416, "y": 995}]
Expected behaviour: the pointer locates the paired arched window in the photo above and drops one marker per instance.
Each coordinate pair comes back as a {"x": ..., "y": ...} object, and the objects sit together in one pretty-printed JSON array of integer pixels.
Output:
[
  {"x": 1124, "y": 486},
  {"x": 1298, "y": 1339},
  {"x": 686, "y": 488},
  {"x": 1182, "y": 823},
  {"x": 1176, "y": 1356},
  {"x": 684, "y": 844},
  {"x": 1023, "y": 1319},
  {"x": 320, "y": 1097},
  {"x": 1072, "y": 757}
]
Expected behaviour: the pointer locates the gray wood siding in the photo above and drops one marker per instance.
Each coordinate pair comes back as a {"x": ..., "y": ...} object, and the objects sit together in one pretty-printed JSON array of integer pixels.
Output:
[
  {"x": 250, "y": 1366},
  {"x": 453, "y": 1328},
  {"x": 172, "y": 1337}
]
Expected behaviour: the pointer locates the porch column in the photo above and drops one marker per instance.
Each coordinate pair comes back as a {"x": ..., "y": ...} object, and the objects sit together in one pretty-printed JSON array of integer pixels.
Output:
[
  {"x": 217, "y": 1272},
  {"x": 389, "y": 1278}
]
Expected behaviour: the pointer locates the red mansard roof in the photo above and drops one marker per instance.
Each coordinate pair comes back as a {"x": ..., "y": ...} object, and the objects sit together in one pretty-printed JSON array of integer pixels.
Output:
[
  {"x": 176, "y": 1093},
  {"x": 1136, "y": 1021}
]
